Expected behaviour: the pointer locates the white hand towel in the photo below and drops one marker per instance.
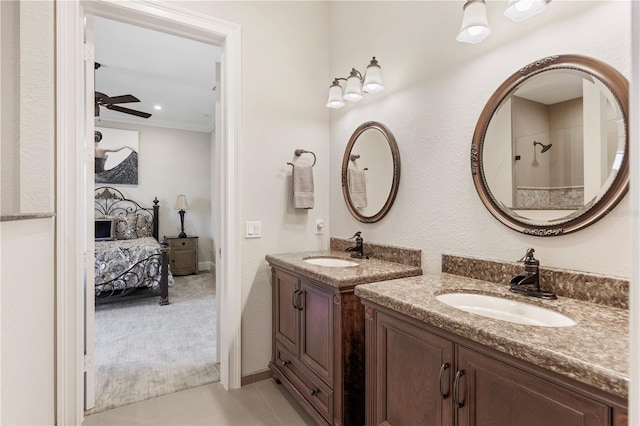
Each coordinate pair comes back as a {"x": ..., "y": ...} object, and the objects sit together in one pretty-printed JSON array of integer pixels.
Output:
[
  {"x": 358, "y": 188},
  {"x": 303, "y": 187}
]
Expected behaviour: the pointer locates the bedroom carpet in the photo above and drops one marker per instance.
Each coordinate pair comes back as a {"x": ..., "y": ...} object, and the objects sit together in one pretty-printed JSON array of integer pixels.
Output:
[{"x": 144, "y": 350}]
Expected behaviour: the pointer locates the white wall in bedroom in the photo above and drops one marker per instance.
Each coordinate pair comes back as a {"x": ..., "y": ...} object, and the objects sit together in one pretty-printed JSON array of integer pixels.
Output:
[{"x": 173, "y": 162}]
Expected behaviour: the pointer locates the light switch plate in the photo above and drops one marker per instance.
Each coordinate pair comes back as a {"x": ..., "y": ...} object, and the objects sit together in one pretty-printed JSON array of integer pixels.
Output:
[
  {"x": 253, "y": 229},
  {"x": 319, "y": 226}
]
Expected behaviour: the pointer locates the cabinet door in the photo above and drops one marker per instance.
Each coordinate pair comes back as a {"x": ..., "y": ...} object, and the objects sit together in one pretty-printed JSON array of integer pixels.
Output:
[
  {"x": 184, "y": 255},
  {"x": 286, "y": 290},
  {"x": 494, "y": 393},
  {"x": 409, "y": 387},
  {"x": 316, "y": 349}
]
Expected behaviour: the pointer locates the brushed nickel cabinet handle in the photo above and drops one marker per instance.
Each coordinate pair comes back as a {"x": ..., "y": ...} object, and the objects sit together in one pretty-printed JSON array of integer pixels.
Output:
[
  {"x": 456, "y": 390},
  {"x": 443, "y": 368}
]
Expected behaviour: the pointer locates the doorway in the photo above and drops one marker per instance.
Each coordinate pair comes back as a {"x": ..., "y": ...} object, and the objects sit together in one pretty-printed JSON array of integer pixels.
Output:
[{"x": 71, "y": 359}]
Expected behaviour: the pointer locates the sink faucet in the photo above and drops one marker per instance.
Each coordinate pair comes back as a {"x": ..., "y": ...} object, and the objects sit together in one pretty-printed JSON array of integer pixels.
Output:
[
  {"x": 529, "y": 282},
  {"x": 358, "y": 249}
]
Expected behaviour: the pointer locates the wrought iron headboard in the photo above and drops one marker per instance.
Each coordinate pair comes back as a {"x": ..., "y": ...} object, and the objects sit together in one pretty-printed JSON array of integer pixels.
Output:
[{"x": 111, "y": 202}]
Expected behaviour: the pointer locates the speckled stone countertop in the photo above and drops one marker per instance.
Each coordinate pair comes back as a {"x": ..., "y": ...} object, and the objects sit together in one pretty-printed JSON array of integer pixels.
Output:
[
  {"x": 595, "y": 351},
  {"x": 367, "y": 271}
]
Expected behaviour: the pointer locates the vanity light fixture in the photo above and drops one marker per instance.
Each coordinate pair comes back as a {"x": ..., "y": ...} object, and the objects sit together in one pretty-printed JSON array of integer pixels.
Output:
[
  {"x": 371, "y": 82},
  {"x": 519, "y": 10},
  {"x": 475, "y": 26}
]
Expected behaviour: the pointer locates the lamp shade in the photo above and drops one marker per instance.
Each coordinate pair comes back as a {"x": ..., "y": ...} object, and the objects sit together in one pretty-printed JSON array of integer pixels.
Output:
[
  {"x": 353, "y": 91},
  {"x": 372, "y": 78},
  {"x": 181, "y": 203},
  {"x": 335, "y": 96},
  {"x": 475, "y": 26},
  {"x": 519, "y": 10}
]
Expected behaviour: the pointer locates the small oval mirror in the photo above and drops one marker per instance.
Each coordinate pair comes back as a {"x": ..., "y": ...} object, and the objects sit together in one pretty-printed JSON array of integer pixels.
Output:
[
  {"x": 370, "y": 172},
  {"x": 550, "y": 150}
]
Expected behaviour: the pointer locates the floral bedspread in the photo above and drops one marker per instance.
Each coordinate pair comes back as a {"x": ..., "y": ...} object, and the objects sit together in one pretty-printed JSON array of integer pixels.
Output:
[{"x": 140, "y": 258}]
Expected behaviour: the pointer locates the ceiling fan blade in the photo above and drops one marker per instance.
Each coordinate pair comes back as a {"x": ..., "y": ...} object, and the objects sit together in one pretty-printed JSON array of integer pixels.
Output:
[
  {"x": 128, "y": 111},
  {"x": 100, "y": 96},
  {"x": 121, "y": 99}
]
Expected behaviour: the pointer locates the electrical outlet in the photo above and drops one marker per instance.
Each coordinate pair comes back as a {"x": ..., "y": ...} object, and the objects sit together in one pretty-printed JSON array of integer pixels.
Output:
[{"x": 319, "y": 226}]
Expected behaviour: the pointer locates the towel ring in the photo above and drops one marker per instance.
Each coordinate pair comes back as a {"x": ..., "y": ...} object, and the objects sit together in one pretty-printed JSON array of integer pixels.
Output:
[
  {"x": 299, "y": 152},
  {"x": 354, "y": 157}
]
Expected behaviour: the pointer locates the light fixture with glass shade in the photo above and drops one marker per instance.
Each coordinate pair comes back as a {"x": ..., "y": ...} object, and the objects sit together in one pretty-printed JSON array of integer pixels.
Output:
[
  {"x": 475, "y": 26},
  {"x": 371, "y": 82},
  {"x": 335, "y": 95},
  {"x": 519, "y": 10},
  {"x": 181, "y": 206}
]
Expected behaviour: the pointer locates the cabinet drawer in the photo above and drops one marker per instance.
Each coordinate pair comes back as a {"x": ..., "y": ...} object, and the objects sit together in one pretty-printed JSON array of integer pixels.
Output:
[
  {"x": 183, "y": 243},
  {"x": 308, "y": 384}
]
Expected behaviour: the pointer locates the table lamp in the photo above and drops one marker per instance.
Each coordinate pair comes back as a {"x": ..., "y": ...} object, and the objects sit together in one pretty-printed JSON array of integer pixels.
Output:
[{"x": 181, "y": 206}]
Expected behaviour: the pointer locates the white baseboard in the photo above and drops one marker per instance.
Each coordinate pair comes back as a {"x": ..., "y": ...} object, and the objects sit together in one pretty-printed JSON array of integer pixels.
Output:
[{"x": 206, "y": 266}]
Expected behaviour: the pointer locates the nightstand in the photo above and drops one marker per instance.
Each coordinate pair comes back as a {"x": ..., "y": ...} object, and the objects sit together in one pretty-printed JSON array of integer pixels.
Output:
[{"x": 183, "y": 257}]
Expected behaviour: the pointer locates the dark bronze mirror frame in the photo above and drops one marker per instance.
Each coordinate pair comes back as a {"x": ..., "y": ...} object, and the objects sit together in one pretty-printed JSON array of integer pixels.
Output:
[
  {"x": 395, "y": 154},
  {"x": 619, "y": 87}
]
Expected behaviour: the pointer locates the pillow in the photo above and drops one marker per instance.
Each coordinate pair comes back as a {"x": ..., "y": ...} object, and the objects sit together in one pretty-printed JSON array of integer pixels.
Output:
[
  {"x": 126, "y": 227},
  {"x": 144, "y": 226}
]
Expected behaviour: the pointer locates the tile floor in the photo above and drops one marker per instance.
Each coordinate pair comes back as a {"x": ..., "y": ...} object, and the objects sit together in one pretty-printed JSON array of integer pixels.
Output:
[{"x": 262, "y": 403}]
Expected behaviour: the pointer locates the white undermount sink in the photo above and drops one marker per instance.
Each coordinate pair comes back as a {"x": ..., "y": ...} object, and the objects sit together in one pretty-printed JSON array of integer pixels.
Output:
[
  {"x": 332, "y": 262},
  {"x": 506, "y": 309}
]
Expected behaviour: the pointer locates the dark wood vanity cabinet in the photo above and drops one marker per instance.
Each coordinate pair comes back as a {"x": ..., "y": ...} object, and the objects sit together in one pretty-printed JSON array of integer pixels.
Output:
[
  {"x": 318, "y": 347},
  {"x": 495, "y": 393},
  {"x": 403, "y": 362},
  {"x": 417, "y": 375}
]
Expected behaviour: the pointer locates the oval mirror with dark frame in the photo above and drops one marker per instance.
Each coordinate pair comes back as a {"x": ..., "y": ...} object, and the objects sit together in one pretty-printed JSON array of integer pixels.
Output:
[
  {"x": 370, "y": 172},
  {"x": 550, "y": 152}
]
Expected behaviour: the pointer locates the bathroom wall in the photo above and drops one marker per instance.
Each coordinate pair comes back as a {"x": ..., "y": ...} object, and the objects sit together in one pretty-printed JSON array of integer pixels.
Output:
[
  {"x": 27, "y": 257},
  {"x": 28, "y": 103},
  {"x": 435, "y": 89},
  {"x": 173, "y": 162},
  {"x": 285, "y": 77}
]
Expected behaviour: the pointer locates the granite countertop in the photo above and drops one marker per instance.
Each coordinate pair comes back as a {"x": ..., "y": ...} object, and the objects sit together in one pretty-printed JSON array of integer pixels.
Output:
[
  {"x": 595, "y": 351},
  {"x": 368, "y": 270}
]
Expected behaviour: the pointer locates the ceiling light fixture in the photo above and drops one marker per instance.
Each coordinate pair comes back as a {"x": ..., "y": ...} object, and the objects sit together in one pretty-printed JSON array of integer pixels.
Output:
[
  {"x": 157, "y": 107},
  {"x": 519, "y": 10},
  {"x": 475, "y": 26},
  {"x": 371, "y": 82}
]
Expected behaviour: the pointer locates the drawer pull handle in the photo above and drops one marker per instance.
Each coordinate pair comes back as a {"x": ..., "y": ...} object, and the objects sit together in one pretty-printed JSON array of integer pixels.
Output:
[
  {"x": 293, "y": 299},
  {"x": 456, "y": 390},
  {"x": 314, "y": 392},
  {"x": 443, "y": 368},
  {"x": 285, "y": 363},
  {"x": 184, "y": 243}
]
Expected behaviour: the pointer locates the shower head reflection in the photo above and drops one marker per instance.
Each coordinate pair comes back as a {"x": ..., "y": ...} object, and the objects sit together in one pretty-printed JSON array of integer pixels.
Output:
[{"x": 545, "y": 148}]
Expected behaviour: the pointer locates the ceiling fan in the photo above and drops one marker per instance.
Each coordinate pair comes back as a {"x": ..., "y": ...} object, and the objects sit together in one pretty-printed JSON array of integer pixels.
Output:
[{"x": 109, "y": 102}]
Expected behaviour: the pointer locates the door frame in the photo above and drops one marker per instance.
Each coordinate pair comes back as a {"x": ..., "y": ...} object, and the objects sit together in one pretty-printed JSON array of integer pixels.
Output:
[{"x": 69, "y": 243}]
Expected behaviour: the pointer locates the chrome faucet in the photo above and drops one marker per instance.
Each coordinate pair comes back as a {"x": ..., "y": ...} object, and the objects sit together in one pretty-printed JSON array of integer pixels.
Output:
[
  {"x": 529, "y": 282},
  {"x": 358, "y": 249}
]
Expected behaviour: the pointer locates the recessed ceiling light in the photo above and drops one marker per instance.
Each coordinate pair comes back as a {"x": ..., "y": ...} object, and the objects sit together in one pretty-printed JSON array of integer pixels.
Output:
[{"x": 158, "y": 107}]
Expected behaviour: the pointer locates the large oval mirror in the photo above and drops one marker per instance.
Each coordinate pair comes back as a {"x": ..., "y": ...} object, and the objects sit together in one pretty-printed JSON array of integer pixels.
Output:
[
  {"x": 550, "y": 150},
  {"x": 370, "y": 172}
]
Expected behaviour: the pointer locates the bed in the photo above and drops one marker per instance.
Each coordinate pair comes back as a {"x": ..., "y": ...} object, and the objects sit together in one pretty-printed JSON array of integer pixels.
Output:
[{"x": 130, "y": 262}]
